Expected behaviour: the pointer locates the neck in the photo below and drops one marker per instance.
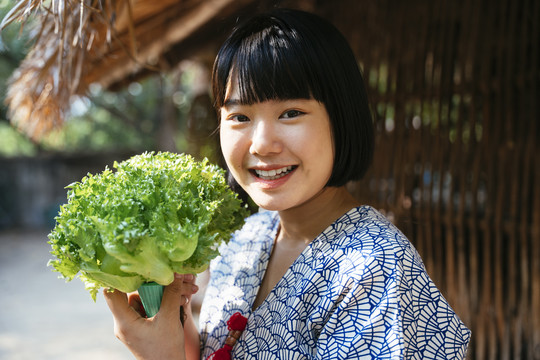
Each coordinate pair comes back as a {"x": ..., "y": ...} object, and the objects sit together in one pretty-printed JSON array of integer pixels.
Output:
[{"x": 305, "y": 222}]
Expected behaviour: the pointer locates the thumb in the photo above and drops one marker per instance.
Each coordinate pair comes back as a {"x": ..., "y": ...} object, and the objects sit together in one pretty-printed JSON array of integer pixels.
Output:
[
  {"x": 173, "y": 298},
  {"x": 119, "y": 306}
]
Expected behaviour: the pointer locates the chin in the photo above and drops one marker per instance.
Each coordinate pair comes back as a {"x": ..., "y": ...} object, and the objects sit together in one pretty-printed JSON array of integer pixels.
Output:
[
  {"x": 275, "y": 205},
  {"x": 269, "y": 208},
  {"x": 268, "y": 204}
]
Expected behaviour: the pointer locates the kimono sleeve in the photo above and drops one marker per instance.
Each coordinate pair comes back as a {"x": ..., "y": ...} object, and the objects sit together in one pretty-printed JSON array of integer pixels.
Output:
[
  {"x": 365, "y": 323},
  {"x": 390, "y": 312}
]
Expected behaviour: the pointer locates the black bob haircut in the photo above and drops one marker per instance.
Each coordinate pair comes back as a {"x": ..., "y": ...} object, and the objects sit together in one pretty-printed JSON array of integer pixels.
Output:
[{"x": 290, "y": 54}]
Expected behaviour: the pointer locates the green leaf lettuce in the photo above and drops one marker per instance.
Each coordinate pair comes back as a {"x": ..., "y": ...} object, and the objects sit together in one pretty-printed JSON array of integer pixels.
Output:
[{"x": 157, "y": 214}]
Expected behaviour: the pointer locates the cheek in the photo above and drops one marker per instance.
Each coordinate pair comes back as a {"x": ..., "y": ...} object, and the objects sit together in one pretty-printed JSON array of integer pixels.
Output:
[
  {"x": 230, "y": 147},
  {"x": 323, "y": 152},
  {"x": 322, "y": 143},
  {"x": 225, "y": 144}
]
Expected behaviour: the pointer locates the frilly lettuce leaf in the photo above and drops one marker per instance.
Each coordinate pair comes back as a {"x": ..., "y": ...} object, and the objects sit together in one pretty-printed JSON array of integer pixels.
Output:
[{"x": 157, "y": 214}]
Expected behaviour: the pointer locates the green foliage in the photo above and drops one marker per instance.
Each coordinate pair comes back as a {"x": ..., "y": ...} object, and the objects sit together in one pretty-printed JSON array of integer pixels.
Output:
[
  {"x": 129, "y": 119},
  {"x": 157, "y": 214},
  {"x": 96, "y": 129},
  {"x": 13, "y": 143}
]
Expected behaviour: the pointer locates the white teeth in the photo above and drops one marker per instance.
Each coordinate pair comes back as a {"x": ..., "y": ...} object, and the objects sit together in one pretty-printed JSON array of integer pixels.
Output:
[{"x": 273, "y": 174}]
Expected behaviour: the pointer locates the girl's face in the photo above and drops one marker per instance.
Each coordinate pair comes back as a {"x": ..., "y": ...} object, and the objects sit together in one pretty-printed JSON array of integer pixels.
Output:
[{"x": 280, "y": 151}]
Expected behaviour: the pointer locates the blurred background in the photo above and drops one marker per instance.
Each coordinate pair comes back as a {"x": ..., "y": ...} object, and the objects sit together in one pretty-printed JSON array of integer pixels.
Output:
[{"x": 454, "y": 86}]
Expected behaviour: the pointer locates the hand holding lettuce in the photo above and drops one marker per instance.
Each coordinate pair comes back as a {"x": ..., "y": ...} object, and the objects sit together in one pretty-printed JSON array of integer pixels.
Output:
[{"x": 157, "y": 214}]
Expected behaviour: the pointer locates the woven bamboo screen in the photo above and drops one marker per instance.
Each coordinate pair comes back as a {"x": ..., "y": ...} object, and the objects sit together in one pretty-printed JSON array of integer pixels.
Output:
[{"x": 455, "y": 90}]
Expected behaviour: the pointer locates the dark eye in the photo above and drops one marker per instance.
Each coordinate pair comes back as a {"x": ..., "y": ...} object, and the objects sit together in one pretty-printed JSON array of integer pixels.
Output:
[
  {"x": 238, "y": 118},
  {"x": 291, "y": 114}
]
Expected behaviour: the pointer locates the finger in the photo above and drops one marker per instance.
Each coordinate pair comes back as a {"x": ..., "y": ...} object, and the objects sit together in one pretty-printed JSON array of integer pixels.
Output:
[
  {"x": 173, "y": 298},
  {"x": 178, "y": 293},
  {"x": 118, "y": 303},
  {"x": 188, "y": 287},
  {"x": 187, "y": 278}
]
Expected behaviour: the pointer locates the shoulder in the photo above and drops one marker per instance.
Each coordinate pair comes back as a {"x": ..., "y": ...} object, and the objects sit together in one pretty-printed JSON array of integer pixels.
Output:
[
  {"x": 371, "y": 228},
  {"x": 366, "y": 234},
  {"x": 376, "y": 260}
]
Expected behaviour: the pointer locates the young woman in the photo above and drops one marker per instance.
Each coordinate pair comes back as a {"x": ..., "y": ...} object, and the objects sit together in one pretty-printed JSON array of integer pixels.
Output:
[{"x": 315, "y": 274}]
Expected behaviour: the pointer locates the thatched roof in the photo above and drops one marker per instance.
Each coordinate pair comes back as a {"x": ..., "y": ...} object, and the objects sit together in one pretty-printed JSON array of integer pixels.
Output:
[{"x": 109, "y": 42}]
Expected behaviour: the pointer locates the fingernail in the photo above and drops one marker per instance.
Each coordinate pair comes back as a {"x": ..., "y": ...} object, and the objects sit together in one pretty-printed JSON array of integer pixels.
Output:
[
  {"x": 189, "y": 277},
  {"x": 178, "y": 276},
  {"x": 194, "y": 289}
]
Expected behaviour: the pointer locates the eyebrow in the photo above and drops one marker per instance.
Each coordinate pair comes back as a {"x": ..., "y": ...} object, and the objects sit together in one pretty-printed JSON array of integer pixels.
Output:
[{"x": 232, "y": 102}]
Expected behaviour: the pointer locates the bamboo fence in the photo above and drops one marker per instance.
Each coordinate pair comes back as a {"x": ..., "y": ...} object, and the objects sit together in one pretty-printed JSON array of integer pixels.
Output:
[{"x": 455, "y": 90}]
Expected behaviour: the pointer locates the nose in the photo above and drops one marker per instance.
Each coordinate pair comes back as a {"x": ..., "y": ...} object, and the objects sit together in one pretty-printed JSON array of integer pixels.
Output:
[{"x": 266, "y": 139}]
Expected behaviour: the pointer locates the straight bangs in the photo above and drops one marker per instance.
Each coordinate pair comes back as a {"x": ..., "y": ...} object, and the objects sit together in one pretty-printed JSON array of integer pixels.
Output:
[{"x": 267, "y": 65}]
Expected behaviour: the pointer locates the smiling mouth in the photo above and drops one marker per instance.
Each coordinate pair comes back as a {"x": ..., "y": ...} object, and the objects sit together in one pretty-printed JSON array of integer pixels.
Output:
[{"x": 274, "y": 174}]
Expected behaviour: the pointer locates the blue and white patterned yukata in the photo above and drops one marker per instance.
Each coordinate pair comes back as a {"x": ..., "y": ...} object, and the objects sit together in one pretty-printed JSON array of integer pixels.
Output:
[{"x": 358, "y": 291}]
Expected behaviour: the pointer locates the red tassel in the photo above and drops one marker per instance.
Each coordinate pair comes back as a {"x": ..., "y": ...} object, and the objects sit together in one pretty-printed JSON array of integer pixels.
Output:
[
  {"x": 221, "y": 354},
  {"x": 237, "y": 322}
]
